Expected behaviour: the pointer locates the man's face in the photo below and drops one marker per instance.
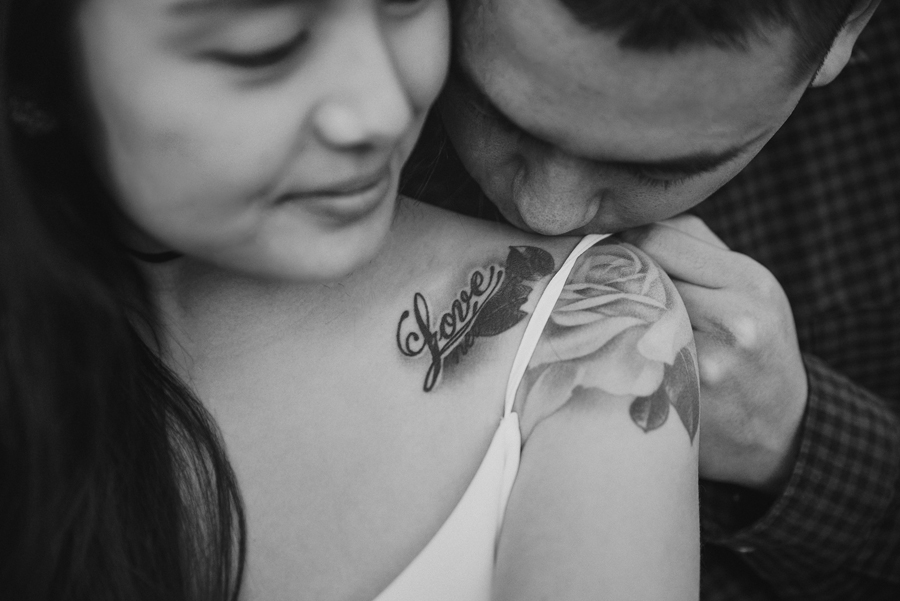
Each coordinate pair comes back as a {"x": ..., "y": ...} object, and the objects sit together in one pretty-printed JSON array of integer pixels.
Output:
[{"x": 565, "y": 131}]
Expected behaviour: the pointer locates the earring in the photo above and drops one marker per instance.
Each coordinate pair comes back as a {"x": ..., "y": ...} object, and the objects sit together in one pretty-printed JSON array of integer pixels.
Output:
[{"x": 30, "y": 117}]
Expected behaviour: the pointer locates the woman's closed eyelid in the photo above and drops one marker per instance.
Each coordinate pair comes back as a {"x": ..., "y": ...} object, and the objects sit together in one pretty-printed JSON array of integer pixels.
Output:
[
  {"x": 257, "y": 38},
  {"x": 250, "y": 27},
  {"x": 262, "y": 57}
]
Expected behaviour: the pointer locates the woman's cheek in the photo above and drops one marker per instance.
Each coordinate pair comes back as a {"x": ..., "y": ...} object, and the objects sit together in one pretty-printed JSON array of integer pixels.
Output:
[
  {"x": 222, "y": 154},
  {"x": 184, "y": 184},
  {"x": 422, "y": 51}
]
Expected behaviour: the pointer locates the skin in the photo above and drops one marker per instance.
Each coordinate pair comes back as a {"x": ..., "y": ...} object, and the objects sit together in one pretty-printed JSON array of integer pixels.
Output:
[
  {"x": 752, "y": 380},
  {"x": 226, "y": 137},
  {"x": 566, "y": 132},
  {"x": 576, "y": 107},
  {"x": 204, "y": 120},
  {"x": 282, "y": 319}
]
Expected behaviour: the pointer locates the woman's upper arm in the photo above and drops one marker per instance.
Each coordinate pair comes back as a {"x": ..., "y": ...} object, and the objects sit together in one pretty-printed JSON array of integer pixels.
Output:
[{"x": 605, "y": 502}]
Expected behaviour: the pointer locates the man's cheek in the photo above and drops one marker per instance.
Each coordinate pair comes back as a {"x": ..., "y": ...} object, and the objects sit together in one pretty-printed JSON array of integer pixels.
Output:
[
  {"x": 482, "y": 152},
  {"x": 644, "y": 204}
]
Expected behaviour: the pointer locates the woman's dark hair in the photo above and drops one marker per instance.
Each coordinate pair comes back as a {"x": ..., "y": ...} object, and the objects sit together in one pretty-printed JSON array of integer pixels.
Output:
[{"x": 114, "y": 483}]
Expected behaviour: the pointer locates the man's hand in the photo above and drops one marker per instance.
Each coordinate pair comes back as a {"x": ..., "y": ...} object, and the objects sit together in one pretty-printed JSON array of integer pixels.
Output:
[{"x": 753, "y": 386}]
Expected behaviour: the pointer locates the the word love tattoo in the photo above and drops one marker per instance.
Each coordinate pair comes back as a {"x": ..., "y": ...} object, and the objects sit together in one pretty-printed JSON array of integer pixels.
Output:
[
  {"x": 491, "y": 303},
  {"x": 618, "y": 330}
]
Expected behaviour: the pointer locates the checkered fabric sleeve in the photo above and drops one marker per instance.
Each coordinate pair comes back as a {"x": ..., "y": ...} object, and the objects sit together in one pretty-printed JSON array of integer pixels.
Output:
[
  {"x": 820, "y": 208},
  {"x": 835, "y": 532}
]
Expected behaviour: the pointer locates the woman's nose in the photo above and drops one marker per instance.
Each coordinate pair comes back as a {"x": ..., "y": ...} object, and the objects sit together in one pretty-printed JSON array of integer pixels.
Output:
[
  {"x": 556, "y": 193},
  {"x": 371, "y": 107}
]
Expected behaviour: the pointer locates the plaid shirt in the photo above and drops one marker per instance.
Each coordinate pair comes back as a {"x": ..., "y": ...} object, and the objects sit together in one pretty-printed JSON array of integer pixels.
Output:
[{"x": 820, "y": 208}]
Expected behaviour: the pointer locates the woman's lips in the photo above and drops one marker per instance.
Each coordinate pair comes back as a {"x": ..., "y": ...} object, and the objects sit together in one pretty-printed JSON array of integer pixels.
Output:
[{"x": 345, "y": 202}]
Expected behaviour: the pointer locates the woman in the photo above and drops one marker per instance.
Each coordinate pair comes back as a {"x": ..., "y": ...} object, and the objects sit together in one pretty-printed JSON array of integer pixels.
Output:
[{"x": 202, "y": 235}]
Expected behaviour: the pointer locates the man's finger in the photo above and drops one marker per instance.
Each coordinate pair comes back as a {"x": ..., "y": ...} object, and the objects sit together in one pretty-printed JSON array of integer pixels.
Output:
[
  {"x": 696, "y": 227},
  {"x": 709, "y": 310},
  {"x": 684, "y": 257},
  {"x": 715, "y": 363}
]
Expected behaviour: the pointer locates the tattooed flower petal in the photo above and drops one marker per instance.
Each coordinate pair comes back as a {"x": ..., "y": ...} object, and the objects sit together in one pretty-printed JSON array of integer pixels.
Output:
[
  {"x": 664, "y": 338},
  {"x": 566, "y": 344},
  {"x": 619, "y": 320},
  {"x": 543, "y": 395},
  {"x": 618, "y": 368}
]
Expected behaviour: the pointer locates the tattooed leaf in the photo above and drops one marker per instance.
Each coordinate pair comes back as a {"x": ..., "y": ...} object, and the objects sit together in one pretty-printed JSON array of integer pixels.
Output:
[
  {"x": 680, "y": 389},
  {"x": 529, "y": 263},
  {"x": 683, "y": 390},
  {"x": 650, "y": 412},
  {"x": 503, "y": 310}
]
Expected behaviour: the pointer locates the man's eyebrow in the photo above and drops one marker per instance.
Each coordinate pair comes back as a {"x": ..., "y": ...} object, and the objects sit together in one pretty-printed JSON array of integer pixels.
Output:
[{"x": 683, "y": 166}]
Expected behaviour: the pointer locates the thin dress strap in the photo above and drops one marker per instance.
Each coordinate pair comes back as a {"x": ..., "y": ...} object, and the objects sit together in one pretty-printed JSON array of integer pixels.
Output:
[{"x": 539, "y": 318}]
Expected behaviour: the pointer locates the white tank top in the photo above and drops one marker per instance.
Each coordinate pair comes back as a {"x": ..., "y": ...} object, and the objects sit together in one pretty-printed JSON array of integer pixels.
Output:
[{"x": 457, "y": 564}]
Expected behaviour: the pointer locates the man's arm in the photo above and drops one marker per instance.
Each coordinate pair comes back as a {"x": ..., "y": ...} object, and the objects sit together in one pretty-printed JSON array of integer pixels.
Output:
[
  {"x": 834, "y": 533},
  {"x": 821, "y": 522},
  {"x": 605, "y": 501}
]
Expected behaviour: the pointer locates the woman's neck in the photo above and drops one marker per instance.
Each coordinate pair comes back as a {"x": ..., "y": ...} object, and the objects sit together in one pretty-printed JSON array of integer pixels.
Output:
[{"x": 199, "y": 304}]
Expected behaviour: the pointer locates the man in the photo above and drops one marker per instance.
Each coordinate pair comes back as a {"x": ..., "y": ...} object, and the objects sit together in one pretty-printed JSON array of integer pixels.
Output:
[{"x": 580, "y": 116}]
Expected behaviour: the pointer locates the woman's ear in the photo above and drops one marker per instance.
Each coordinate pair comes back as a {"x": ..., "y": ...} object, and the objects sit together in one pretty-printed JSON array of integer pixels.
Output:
[{"x": 842, "y": 46}]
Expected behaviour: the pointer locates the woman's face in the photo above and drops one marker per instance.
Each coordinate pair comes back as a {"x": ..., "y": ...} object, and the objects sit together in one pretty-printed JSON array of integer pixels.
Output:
[{"x": 262, "y": 136}]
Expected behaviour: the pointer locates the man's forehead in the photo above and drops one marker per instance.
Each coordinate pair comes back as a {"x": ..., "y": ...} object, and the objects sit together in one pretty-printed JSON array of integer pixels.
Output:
[{"x": 565, "y": 83}]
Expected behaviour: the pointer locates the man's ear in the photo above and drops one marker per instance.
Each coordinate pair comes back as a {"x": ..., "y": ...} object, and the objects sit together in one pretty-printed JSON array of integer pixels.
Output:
[{"x": 842, "y": 47}]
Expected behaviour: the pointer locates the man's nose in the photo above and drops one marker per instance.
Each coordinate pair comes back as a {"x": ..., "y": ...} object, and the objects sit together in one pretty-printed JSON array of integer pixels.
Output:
[{"x": 556, "y": 193}]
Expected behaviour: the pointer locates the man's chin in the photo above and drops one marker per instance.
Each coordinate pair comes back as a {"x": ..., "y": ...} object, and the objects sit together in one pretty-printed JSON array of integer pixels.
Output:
[
  {"x": 593, "y": 227},
  {"x": 599, "y": 223},
  {"x": 602, "y": 222},
  {"x": 545, "y": 228}
]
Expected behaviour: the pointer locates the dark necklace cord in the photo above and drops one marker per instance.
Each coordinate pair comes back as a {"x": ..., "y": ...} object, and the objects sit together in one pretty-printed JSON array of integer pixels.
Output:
[{"x": 160, "y": 257}]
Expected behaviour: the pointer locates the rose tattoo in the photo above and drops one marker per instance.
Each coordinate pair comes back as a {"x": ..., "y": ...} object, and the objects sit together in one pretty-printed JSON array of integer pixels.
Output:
[{"x": 619, "y": 326}]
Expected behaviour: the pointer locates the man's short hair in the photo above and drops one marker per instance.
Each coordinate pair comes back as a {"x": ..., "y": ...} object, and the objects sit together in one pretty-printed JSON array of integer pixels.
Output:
[{"x": 669, "y": 25}]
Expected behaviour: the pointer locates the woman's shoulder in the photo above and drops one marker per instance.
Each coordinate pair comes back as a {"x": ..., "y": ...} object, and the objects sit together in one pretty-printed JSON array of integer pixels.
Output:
[
  {"x": 450, "y": 236},
  {"x": 609, "y": 411},
  {"x": 467, "y": 288},
  {"x": 618, "y": 333},
  {"x": 618, "y": 328}
]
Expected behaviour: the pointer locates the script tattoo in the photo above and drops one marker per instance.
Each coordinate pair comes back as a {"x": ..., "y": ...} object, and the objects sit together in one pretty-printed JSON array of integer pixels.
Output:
[
  {"x": 619, "y": 329},
  {"x": 489, "y": 305}
]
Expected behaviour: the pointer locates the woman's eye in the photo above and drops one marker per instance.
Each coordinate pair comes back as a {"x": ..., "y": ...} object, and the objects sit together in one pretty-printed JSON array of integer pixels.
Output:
[{"x": 265, "y": 57}]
